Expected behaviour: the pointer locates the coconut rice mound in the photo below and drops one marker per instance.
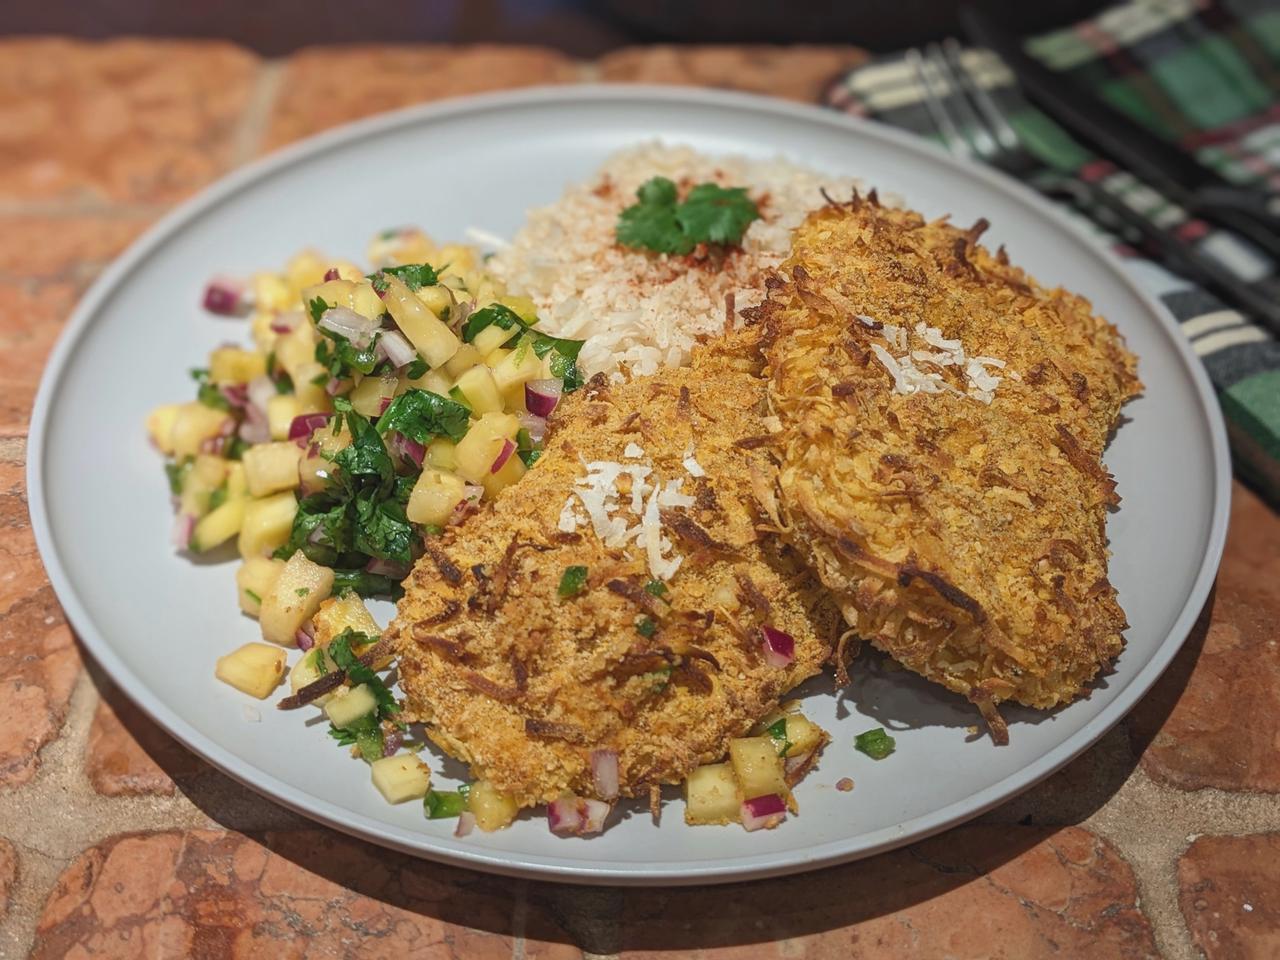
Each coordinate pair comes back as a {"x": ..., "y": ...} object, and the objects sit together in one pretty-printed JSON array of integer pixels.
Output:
[{"x": 641, "y": 311}]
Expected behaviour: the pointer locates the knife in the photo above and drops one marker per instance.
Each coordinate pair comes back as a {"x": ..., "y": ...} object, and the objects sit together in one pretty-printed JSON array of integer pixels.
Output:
[{"x": 1174, "y": 173}]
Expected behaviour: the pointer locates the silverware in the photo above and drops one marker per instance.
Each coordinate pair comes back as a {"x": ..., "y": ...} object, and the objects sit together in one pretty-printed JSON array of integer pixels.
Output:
[{"x": 973, "y": 127}]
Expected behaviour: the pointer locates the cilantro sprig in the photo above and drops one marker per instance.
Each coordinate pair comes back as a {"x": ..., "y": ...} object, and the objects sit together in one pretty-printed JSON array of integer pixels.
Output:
[
  {"x": 413, "y": 275},
  {"x": 709, "y": 214}
]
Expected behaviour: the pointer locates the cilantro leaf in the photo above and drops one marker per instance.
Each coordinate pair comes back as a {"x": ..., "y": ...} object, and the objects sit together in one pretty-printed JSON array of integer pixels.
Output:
[
  {"x": 709, "y": 214},
  {"x": 777, "y": 732},
  {"x": 177, "y": 474},
  {"x": 365, "y": 456},
  {"x": 422, "y": 416},
  {"x": 319, "y": 512},
  {"x": 440, "y": 804},
  {"x": 366, "y": 584},
  {"x": 382, "y": 530},
  {"x": 207, "y": 393},
  {"x": 713, "y": 214},
  {"x": 340, "y": 650},
  {"x": 417, "y": 369},
  {"x": 414, "y": 276},
  {"x": 573, "y": 581},
  {"x": 495, "y": 314},
  {"x": 345, "y": 738}
]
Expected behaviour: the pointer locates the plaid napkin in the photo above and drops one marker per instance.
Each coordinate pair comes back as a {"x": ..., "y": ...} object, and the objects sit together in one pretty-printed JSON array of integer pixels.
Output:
[{"x": 1206, "y": 76}]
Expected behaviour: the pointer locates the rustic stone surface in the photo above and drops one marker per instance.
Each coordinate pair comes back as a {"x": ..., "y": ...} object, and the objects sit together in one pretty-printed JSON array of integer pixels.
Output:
[
  {"x": 129, "y": 755},
  {"x": 796, "y": 72},
  {"x": 8, "y": 874},
  {"x": 1214, "y": 718},
  {"x": 38, "y": 658},
  {"x": 310, "y": 893},
  {"x": 31, "y": 317},
  {"x": 1027, "y": 892},
  {"x": 123, "y": 120},
  {"x": 325, "y": 86},
  {"x": 1230, "y": 896},
  {"x": 70, "y": 247}
]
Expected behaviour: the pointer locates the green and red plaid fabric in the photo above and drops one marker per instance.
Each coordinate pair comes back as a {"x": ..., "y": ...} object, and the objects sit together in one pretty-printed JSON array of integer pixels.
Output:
[{"x": 1204, "y": 75}]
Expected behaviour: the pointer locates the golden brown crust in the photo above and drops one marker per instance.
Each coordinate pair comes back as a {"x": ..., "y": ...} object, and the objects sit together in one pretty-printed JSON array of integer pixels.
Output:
[
  {"x": 966, "y": 539},
  {"x": 523, "y": 685}
]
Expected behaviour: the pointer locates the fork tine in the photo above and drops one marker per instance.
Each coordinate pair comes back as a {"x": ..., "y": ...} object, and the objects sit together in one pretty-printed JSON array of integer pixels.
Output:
[
  {"x": 973, "y": 125},
  {"x": 956, "y": 145},
  {"x": 1004, "y": 134}
]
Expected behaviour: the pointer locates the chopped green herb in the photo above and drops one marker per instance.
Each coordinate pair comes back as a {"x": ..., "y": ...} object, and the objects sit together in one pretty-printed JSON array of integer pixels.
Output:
[
  {"x": 345, "y": 738},
  {"x": 876, "y": 744},
  {"x": 252, "y": 596},
  {"x": 417, "y": 369},
  {"x": 440, "y": 804},
  {"x": 366, "y": 584},
  {"x": 302, "y": 591},
  {"x": 235, "y": 448},
  {"x": 414, "y": 276},
  {"x": 526, "y": 449},
  {"x": 709, "y": 214},
  {"x": 656, "y": 588},
  {"x": 335, "y": 351},
  {"x": 207, "y": 393},
  {"x": 646, "y": 627},
  {"x": 572, "y": 582},
  {"x": 422, "y": 416},
  {"x": 494, "y": 315},
  {"x": 177, "y": 474},
  {"x": 459, "y": 397},
  {"x": 340, "y": 650},
  {"x": 658, "y": 680},
  {"x": 563, "y": 361},
  {"x": 778, "y": 732},
  {"x": 218, "y": 497}
]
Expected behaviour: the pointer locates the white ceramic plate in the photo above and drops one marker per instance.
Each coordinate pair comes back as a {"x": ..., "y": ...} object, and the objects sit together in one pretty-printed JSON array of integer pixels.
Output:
[{"x": 156, "y": 622}]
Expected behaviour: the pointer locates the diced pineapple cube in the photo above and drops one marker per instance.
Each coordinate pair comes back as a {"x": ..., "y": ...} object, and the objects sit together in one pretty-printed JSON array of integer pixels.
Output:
[
  {"x": 271, "y": 467},
  {"x": 366, "y": 302},
  {"x": 435, "y": 341},
  {"x": 758, "y": 767},
  {"x": 492, "y": 337},
  {"x": 237, "y": 487},
  {"x": 433, "y": 381},
  {"x": 476, "y": 452},
  {"x": 436, "y": 299},
  {"x": 522, "y": 307},
  {"x": 372, "y": 394},
  {"x": 270, "y": 292},
  {"x": 194, "y": 424},
  {"x": 346, "y": 612},
  {"x": 508, "y": 473},
  {"x": 218, "y": 526},
  {"x": 345, "y": 707},
  {"x": 329, "y": 442},
  {"x": 804, "y": 735},
  {"x": 209, "y": 470},
  {"x": 401, "y": 778},
  {"x": 336, "y": 293},
  {"x": 462, "y": 361},
  {"x": 281, "y": 409},
  {"x": 264, "y": 338},
  {"x": 233, "y": 365},
  {"x": 254, "y": 580},
  {"x": 478, "y": 386},
  {"x": 492, "y": 808},
  {"x": 160, "y": 426},
  {"x": 310, "y": 383},
  {"x": 495, "y": 358},
  {"x": 435, "y": 496},
  {"x": 255, "y": 669},
  {"x": 711, "y": 795},
  {"x": 295, "y": 348},
  {"x": 456, "y": 259},
  {"x": 294, "y": 599},
  {"x": 440, "y": 454},
  {"x": 513, "y": 400},
  {"x": 267, "y": 524},
  {"x": 305, "y": 269},
  {"x": 519, "y": 367}
]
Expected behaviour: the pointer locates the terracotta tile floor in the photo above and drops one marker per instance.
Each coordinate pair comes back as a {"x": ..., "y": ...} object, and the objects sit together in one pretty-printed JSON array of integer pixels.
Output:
[{"x": 114, "y": 842}]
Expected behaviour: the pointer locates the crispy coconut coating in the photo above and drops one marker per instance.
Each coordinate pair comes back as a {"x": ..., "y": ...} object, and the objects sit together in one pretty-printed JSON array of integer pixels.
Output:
[
  {"x": 965, "y": 538},
  {"x": 523, "y": 684}
]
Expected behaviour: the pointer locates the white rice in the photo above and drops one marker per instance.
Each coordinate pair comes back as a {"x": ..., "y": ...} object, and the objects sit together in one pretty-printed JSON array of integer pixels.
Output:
[{"x": 637, "y": 311}]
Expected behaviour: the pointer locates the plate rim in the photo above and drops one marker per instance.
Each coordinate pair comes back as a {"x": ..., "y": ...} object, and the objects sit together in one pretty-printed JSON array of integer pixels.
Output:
[{"x": 448, "y": 850}]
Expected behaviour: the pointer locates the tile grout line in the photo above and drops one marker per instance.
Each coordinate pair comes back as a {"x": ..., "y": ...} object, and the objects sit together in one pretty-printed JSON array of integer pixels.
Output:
[{"x": 255, "y": 120}]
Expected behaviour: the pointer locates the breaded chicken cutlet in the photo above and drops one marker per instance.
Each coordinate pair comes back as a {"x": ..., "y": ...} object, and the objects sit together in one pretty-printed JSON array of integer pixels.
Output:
[
  {"x": 943, "y": 422},
  {"x": 523, "y": 683}
]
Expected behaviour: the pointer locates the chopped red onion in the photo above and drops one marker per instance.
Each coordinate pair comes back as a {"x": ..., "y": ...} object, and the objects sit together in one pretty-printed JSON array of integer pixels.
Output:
[
  {"x": 383, "y": 403},
  {"x": 305, "y": 424},
  {"x": 386, "y": 568},
  {"x": 508, "y": 448},
  {"x": 236, "y": 394},
  {"x": 304, "y": 638},
  {"x": 254, "y": 428},
  {"x": 397, "y": 349},
  {"x": 331, "y": 274},
  {"x": 406, "y": 447},
  {"x": 466, "y": 823},
  {"x": 226, "y": 296},
  {"x": 286, "y": 322},
  {"x": 260, "y": 390},
  {"x": 604, "y": 770},
  {"x": 333, "y": 386},
  {"x": 360, "y": 330},
  {"x": 537, "y": 426},
  {"x": 541, "y": 396},
  {"x": 779, "y": 647},
  {"x": 763, "y": 812},
  {"x": 572, "y": 816},
  {"x": 184, "y": 524},
  {"x": 392, "y": 742}
]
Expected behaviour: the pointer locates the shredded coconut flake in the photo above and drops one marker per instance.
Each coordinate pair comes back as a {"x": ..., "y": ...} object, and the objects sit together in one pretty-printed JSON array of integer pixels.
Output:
[
  {"x": 633, "y": 450},
  {"x": 909, "y": 378}
]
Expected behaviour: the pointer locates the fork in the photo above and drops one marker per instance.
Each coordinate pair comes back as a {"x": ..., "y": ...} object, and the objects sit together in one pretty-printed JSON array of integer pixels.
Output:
[{"x": 973, "y": 127}]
